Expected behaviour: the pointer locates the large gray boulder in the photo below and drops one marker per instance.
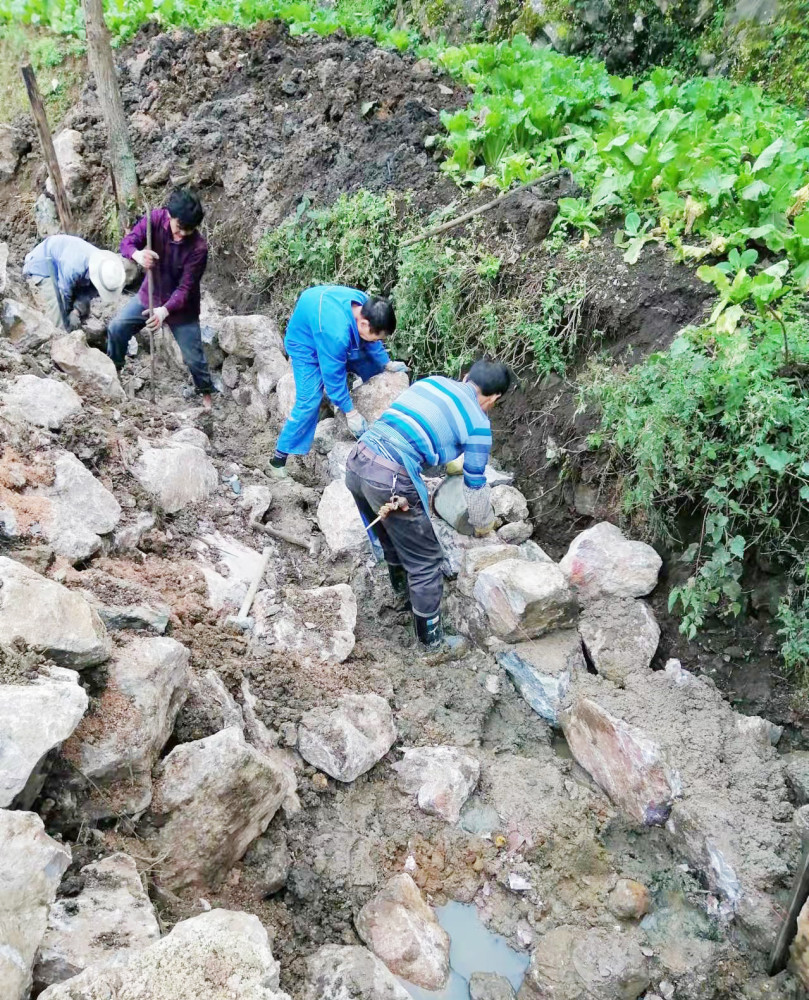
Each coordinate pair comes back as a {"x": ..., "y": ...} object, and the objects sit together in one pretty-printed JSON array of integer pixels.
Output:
[
  {"x": 620, "y": 635},
  {"x": 603, "y": 562},
  {"x": 26, "y": 328},
  {"x": 347, "y": 741},
  {"x": 43, "y": 402},
  {"x": 373, "y": 397},
  {"x": 68, "y": 145},
  {"x": 542, "y": 670},
  {"x": 109, "y": 919},
  {"x": 248, "y": 336},
  {"x": 339, "y": 520},
  {"x": 218, "y": 955},
  {"x": 402, "y": 930},
  {"x": 176, "y": 474},
  {"x": 87, "y": 365},
  {"x": 79, "y": 510},
  {"x": 524, "y": 600},
  {"x": 212, "y": 798},
  {"x": 49, "y": 618},
  {"x": 337, "y": 972},
  {"x": 31, "y": 867},
  {"x": 120, "y": 740},
  {"x": 35, "y": 718}
]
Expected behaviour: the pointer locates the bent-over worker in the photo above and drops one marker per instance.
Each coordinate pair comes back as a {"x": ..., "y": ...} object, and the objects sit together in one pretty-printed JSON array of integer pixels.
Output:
[
  {"x": 177, "y": 260},
  {"x": 432, "y": 423},
  {"x": 333, "y": 330},
  {"x": 65, "y": 272}
]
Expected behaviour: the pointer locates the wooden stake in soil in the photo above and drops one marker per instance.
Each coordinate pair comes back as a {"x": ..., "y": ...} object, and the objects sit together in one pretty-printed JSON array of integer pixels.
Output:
[
  {"x": 99, "y": 55},
  {"x": 150, "y": 286},
  {"x": 436, "y": 230},
  {"x": 46, "y": 141}
]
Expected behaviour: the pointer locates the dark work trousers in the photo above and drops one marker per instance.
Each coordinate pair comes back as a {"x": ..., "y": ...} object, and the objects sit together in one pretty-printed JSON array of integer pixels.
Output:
[
  {"x": 407, "y": 537},
  {"x": 188, "y": 336}
]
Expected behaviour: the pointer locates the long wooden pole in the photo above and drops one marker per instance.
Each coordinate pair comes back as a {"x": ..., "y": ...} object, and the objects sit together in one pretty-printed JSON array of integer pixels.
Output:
[
  {"x": 779, "y": 956},
  {"x": 99, "y": 55},
  {"x": 150, "y": 286},
  {"x": 436, "y": 230},
  {"x": 46, "y": 141}
]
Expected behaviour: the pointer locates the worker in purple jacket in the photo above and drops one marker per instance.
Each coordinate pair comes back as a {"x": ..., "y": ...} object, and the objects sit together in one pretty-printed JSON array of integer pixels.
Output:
[{"x": 177, "y": 261}]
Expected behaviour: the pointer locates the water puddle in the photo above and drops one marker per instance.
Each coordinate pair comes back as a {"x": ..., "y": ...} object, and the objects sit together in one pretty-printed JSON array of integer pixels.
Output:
[{"x": 473, "y": 948}]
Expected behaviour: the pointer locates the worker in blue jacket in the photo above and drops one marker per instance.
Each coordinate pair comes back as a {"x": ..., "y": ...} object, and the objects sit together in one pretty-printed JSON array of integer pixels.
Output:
[{"x": 333, "y": 330}]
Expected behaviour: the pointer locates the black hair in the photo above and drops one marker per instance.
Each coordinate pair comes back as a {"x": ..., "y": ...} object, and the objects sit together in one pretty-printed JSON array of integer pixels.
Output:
[
  {"x": 493, "y": 378},
  {"x": 379, "y": 313},
  {"x": 185, "y": 206}
]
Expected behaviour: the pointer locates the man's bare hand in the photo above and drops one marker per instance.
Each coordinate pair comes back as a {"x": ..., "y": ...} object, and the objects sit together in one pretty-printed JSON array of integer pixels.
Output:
[
  {"x": 157, "y": 319},
  {"x": 146, "y": 258}
]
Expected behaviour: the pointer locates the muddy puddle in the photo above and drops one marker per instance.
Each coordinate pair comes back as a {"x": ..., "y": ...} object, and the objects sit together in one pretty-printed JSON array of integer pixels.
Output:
[{"x": 473, "y": 948}]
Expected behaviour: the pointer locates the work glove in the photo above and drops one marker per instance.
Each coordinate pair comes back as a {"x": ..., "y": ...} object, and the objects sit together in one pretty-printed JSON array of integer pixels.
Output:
[
  {"x": 157, "y": 319},
  {"x": 357, "y": 423},
  {"x": 455, "y": 467},
  {"x": 146, "y": 258},
  {"x": 73, "y": 320},
  {"x": 487, "y": 529},
  {"x": 396, "y": 366}
]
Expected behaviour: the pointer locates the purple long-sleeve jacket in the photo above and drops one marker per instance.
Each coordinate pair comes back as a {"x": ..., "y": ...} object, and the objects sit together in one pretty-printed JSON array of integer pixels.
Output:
[{"x": 178, "y": 272}]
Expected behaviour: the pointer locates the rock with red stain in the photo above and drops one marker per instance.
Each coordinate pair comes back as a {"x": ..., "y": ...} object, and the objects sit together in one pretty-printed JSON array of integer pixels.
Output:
[
  {"x": 442, "y": 778},
  {"x": 603, "y": 562},
  {"x": 626, "y": 763},
  {"x": 402, "y": 930}
]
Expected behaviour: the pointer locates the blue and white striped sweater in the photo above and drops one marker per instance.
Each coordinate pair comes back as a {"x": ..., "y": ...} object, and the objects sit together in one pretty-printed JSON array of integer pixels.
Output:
[{"x": 442, "y": 419}]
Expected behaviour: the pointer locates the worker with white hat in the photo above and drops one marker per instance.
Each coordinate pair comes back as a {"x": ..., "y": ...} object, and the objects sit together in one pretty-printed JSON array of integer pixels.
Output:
[{"x": 65, "y": 272}]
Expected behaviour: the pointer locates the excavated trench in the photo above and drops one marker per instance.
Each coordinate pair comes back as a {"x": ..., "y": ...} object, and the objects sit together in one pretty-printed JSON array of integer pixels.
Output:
[{"x": 602, "y": 902}]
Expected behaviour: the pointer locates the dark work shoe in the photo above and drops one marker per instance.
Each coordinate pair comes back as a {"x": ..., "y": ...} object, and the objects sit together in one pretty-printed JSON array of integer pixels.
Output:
[
  {"x": 401, "y": 592},
  {"x": 437, "y": 646}
]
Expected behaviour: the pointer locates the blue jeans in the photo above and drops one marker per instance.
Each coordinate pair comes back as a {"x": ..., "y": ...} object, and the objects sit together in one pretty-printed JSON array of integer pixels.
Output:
[
  {"x": 188, "y": 336},
  {"x": 299, "y": 430}
]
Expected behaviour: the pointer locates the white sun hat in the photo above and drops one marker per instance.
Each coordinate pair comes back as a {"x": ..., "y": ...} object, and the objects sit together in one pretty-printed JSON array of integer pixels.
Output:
[{"x": 107, "y": 274}]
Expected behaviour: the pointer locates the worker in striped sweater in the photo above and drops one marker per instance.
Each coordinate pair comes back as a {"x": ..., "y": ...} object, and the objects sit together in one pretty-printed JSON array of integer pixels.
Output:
[{"x": 432, "y": 423}]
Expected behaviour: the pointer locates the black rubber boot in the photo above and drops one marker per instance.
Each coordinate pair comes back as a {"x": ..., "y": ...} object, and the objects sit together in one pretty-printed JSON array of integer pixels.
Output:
[
  {"x": 438, "y": 646},
  {"x": 398, "y": 582}
]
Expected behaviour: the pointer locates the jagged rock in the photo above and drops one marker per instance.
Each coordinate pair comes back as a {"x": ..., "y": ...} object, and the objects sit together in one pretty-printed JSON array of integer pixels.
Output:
[
  {"x": 340, "y": 521},
  {"x": 248, "y": 336},
  {"x": 325, "y": 437},
  {"x": 123, "y": 604},
  {"x": 68, "y": 146},
  {"x": 46, "y": 217},
  {"x": 25, "y": 328},
  {"x": 620, "y": 636},
  {"x": 348, "y": 740},
  {"x": 31, "y": 867},
  {"x": 338, "y": 458},
  {"x": 256, "y": 500},
  {"x": 177, "y": 475},
  {"x": 509, "y": 504},
  {"x": 80, "y": 509},
  {"x": 337, "y": 972},
  {"x": 230, "y": 371},
  {"x": 218, "y": 955},
  {"x": 522, "y": 599},
  {"x": 542, "y": 670},
  {"x": 441, "y": 777},
  {"x": 490, "y": 986},
  {"x": 87, "y": 365},
  {"x": 318, "y": 624},
  {"x": 49, "y": 618},
  {"x": 268, "y": 861},
  {"x": 119, "y": 741},
  {"x": 285, "y": 395},
  {"x": 402, "y": 930},
  {"x": 208, "y": 709},
  {"x": 43, "y": 402},
  {"x": 239, "y": 564},
  {"x": 129, "y": 537},
  {"x": 134, "y": 617},
  {"x": 602, "y": 562},
  {"x": 796, "y": 769},
  {"x": 13, "y": 145},
  {"x": 373, "y": 397},
  {"x": 515, "y": 532},
  {"x": 212, "y": 798},
  {"x": 35, "y": 718},
  {"x": 110, "y": 918},
  {"x": 569, "y": 963},
  {"x": 630, "y": 767},
  {"x": 474, "y": 561},
  {"x": 269, "y": 368},
  {"x": 629, "y": 900}
]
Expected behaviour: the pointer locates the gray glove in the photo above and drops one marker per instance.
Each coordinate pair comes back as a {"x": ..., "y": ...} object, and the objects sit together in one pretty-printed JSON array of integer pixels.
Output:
[
  {"x": 479, "y": 507},
  {"x": 357, "y": 423},
  {"x": 396, "y": 366}
]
